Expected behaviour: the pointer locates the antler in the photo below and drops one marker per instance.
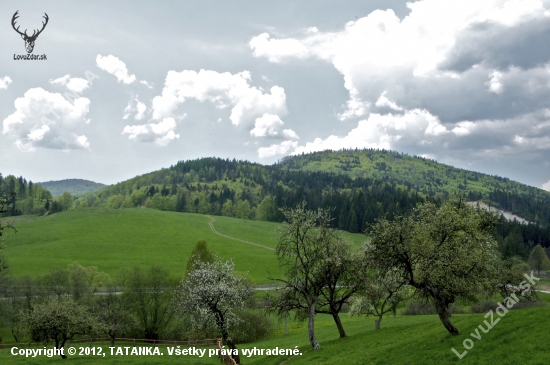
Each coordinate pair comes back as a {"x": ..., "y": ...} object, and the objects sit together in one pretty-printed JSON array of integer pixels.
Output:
[
  {"x": 43, "y": 25},
  {"x": 15, "y": 16},
  {"x": 34, "y": 34}
]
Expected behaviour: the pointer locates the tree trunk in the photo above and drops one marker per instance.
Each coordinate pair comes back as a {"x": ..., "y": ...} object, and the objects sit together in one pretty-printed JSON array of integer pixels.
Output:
[
  {"x": 339, "y": 324},
  {"x": 112, "y": 341},
  {"x": 311, "y": 326},
  {"x": 377, "y": 322},
  {"x": 233, "y": 346},
  {"x": 444, "y": 314},
  {"x": 229, "y": 342},
  {"x": 59, "y": 347}
]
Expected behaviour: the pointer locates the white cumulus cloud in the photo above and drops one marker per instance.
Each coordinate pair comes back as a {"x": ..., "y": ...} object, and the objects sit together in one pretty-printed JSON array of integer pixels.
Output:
[
  {"x": 161, "y": 133},
  {"x": 276, "y": 149},
  {"x": 48, "y": 120},
  {"x": 221, "y": 89},
  {"x": 143, "y": 82},
  {"x": 75, "y": 84},
  {"x": 382, "y": 131},
  {"x": 269, "y": 125},
  {"x": 134, "y": 105},
  {"x": 546, "y": 185},
  {"x": 5, "y": 82},
  {"x": 276, "y": 50},
  {"x": 116, "y": 67},
  {"x": 383, "y": 101},
  {"x": 436, "y": 58}
]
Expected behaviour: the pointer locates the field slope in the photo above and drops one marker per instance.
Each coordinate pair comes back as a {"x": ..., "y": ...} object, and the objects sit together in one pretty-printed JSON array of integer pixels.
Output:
[{"x": 114, "y": 238}]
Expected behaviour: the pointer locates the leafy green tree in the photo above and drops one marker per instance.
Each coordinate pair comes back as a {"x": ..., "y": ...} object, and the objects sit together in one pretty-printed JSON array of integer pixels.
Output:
[
  {"x": 78, "y": 281},
  {"x": 340, "y": 272},
  {"x": 113, "y": 311},
  {"x": 538, "y": 260},
  {"x": 446, "y": 253},
  {"x": 85, "y": 281},
  {"x": 382, "y": 293},
  {"x": 507, "y": 278},
  {"x": 149, "y": 295},
  {"x": 115, "y": 201},
  {"x": 60, "y": 320},
  {"x": 57, "y": 280},
  {"x": 215, "y": 292},
  {"x": 312, "y": 255},
  {"x": 66, "y": 200},
  {"x": 267, "y": 210},
  {"x": 243, "y": 210},
  {"x": 227, "y": 209},
  {"x": 344, "y": 273},
  {"x": 514, "y": 245},
  {"x": 204, "y": 207},
  {"x": 4, "y": 207},
  {"x": 200, "y": 253}
]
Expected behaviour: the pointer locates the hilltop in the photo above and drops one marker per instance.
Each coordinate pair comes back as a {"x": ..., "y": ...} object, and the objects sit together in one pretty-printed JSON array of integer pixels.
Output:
[
  {"x": 428, "y": 176},
  {"x": 73, "y": 186}
]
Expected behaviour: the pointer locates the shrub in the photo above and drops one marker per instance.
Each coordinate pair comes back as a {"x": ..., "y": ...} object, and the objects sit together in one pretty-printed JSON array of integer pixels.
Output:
[
  {"x": 419, "y": 308},
  {"x": 484, "y": 306},
  {"x": 423, "y": 308},
  {"x": 523, "y": 304},
  {"x": 490, "y": 304},
  {"x": 254, "y": 326}
]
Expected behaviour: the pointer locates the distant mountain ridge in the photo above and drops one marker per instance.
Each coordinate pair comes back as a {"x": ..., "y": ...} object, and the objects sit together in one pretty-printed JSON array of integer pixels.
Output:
[{"x": 73, "y": 186}]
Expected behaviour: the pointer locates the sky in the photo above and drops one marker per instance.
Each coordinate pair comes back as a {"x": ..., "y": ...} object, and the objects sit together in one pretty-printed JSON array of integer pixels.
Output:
[{"x": 129, "y": 87}]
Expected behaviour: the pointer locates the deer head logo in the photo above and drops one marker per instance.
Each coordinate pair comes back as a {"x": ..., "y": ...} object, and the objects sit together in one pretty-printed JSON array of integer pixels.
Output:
[{"x": 29, "y": 40}]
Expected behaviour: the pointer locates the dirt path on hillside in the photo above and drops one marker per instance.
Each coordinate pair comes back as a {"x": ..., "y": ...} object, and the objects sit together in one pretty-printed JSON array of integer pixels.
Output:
[{"x": 211, "y": 224}]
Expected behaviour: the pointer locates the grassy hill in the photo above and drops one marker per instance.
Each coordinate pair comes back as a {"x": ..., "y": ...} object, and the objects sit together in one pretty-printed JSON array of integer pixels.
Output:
[
  {"x": 73, "y": 186},
  {"x": 111, "y": 239},
  {"x": 516, "y": 339}
]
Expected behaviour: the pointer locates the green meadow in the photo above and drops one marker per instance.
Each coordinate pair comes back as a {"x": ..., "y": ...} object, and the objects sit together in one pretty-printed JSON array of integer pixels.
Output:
[
  {"x": 520, "y": 337},
  {"x": 123, "y": 238}
]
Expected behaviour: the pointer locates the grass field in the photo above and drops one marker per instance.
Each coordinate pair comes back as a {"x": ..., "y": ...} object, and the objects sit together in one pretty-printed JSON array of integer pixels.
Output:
[
  {"x": 112, "y": 239},
  {"x": 521, "y": 337}
]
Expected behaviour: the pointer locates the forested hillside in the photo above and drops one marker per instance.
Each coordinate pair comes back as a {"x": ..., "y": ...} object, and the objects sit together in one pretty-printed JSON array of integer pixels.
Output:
[
  {"x": 359, "y": 187},
  {"x": 358, "y": 196},
  {"x": 25, "y": 196},
  {"x": 73, "y": 186},
  {"x": 246, "y": 190},
  {"x": 429, "y": 177}
]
